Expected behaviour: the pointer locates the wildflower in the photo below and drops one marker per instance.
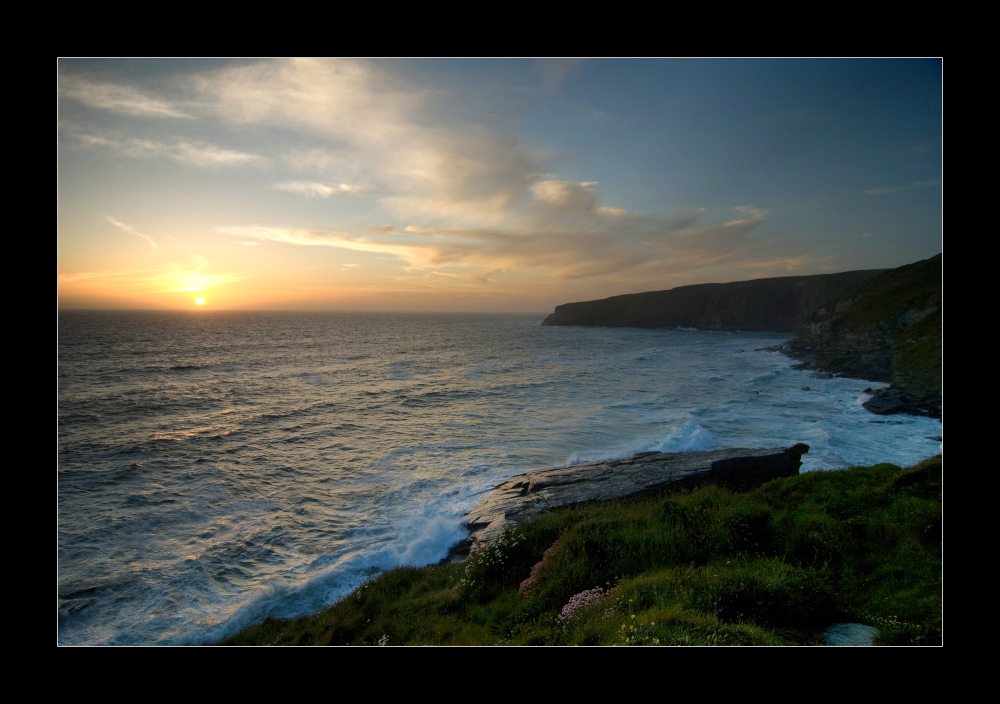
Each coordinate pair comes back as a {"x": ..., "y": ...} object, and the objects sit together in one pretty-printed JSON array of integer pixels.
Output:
[{"x": 587, "y": 598}]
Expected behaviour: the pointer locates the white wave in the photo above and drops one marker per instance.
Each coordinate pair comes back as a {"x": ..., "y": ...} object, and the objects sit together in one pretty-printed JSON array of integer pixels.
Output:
[{"x": 687, "y": 437}]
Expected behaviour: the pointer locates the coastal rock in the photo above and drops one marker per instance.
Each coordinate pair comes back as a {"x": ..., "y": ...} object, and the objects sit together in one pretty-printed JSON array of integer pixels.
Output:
[
  {"x": 531, "y": 494},
  {"x": 893, "y": 400}
]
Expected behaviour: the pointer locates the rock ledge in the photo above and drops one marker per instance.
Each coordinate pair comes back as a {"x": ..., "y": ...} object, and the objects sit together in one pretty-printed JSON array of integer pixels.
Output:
[{"x": 528, "y": 495}]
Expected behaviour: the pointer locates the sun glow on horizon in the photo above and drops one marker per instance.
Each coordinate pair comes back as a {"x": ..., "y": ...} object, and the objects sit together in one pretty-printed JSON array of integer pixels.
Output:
[{"x": 200, "y": 301}]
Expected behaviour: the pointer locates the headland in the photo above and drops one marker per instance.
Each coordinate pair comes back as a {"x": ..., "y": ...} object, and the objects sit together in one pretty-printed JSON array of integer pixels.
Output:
[{"x": 878, "y": 324}]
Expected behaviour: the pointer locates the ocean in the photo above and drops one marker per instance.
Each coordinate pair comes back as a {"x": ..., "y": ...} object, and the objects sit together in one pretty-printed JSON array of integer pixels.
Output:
[{"x": 215, "y": 468}]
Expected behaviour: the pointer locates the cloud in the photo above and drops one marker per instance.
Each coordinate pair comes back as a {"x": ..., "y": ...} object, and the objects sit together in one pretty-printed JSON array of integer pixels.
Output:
[
  {"x": 883, "y": 191},
  {"x": 125, "y": 228},
  {"x": 632, "y": 244},
  {"x": 416, "y": 256},
  {"x": 378, "y": 130},
  {"x": 613, "y": 212},
  {"x": 343, "y": 99},
  {"x": 722, "y": 237},
  {"x": 313, "y": 189},
  {"x": 117, "y": 98},
  {"x": 898, "y": 189},
  {"x": 554, "y": 71},
  {"x": 466, "y": 199},
  {"x": 200, "y": 154},
  {"x": 570, "y": 196}
]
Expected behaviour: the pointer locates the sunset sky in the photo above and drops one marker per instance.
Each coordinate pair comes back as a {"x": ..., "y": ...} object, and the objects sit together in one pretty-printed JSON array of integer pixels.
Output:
[{"x": 484, "y": 184}]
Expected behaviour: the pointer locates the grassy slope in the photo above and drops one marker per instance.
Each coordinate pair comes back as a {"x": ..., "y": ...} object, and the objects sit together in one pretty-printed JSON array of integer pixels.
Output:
[
  {"x": 916, "y": 285},
  {"x": 773, "y": 566},
  {"x": 882, "y": 301}
]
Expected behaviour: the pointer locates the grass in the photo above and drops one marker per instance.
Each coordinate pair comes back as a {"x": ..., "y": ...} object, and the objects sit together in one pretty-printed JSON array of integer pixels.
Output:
[
  {"x": 773, "y": 566},
  {"x": 914, "y": 286}
]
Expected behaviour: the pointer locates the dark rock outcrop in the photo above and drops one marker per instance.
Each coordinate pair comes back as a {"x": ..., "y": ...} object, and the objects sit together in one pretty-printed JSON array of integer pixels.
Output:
[
  {"x": 779, "y": 304},
  {"x": 893, "y": 400},
  {"x": 531, "y": 494},
  {"x": 886, "y": 329}
]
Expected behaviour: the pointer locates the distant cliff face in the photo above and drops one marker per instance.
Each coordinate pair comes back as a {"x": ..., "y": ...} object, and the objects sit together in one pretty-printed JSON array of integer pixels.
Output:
[
  {"x": 767, "y": 305},
  {"x": 885, "y": 329}
]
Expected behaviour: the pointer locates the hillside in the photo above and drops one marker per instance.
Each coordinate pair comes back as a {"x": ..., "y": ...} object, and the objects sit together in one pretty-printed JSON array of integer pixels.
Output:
[
  {"x": 885, "y": 329},
  {"x": 779, "y": 304}
]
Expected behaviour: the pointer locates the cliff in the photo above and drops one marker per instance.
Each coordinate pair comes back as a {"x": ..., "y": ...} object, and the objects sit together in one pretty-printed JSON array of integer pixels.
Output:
[
  {"x": 888, "y": 329},
  {"x": 779, "y": 304}
]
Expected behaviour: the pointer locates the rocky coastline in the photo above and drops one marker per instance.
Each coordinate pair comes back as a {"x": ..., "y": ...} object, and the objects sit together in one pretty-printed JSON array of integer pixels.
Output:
[
  {"x": 886, "y": 329},
  {"x": 878, "y": 324}
]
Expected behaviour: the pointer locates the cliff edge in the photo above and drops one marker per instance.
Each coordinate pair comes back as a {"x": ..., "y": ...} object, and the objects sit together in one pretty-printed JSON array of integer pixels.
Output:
[{"x": 780, "y": 304}]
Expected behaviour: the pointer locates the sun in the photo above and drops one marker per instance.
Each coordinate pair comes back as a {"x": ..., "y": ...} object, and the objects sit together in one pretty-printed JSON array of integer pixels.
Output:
[{"x": 200, "y": 301}]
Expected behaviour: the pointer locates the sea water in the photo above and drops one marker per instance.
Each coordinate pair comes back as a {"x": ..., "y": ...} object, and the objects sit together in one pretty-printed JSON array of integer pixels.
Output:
[{"x": 216, "y": 468}]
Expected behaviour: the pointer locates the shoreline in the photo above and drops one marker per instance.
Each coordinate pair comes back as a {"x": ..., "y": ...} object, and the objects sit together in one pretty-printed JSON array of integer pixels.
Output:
[
  {"x": 711, "y": 566},
  {"x": 888, "y": 401}
]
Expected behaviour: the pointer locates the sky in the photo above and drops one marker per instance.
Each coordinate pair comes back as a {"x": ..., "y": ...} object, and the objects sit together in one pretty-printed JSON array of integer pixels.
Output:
[{"x": 484, "y": 185}]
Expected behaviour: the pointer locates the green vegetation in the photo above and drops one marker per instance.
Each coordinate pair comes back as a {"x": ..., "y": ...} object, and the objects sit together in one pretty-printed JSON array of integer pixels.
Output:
[
  {"x": 773, "y": 566},
  {"x": 917, "y": 368},
  {"x": 887, "y": 328},
  {"x": 914, "y": 286}
]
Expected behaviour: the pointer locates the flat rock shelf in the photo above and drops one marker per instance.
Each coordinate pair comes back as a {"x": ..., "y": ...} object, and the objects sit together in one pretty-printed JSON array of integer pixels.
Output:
[{"x": 528, "y": 495}]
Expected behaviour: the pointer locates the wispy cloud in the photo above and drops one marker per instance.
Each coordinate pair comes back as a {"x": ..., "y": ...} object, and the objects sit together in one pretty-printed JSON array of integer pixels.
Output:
[
  {"x": 314, "y": 189},
  {"x": 883, "y": 191},
  {"x": 634, "y": 244},
  {"x": 126, "y": 228},
  {"x": 416, "y": 256},
  {"x": 199, "y": 154},
  {"x": 898, "y": 189},
  {"x": 118, "y": 98},
  {"x": 554, "y": 71}
]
